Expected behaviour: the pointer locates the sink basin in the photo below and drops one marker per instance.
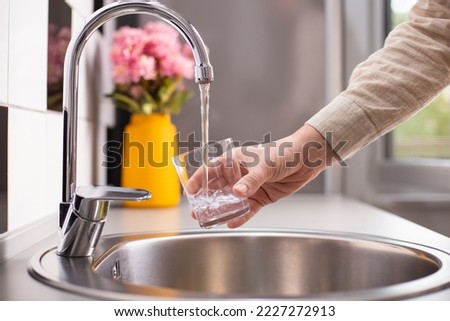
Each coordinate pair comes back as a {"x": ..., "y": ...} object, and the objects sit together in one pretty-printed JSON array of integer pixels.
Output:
[{"x": 248, "y": 264}]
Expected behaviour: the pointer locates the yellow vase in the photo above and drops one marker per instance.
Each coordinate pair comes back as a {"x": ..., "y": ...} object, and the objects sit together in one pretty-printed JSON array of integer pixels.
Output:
[{"x": 149, "y": 145}]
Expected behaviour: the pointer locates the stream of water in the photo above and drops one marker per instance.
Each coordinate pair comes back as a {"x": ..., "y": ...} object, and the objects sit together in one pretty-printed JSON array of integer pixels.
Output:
[{"x": 204, "y": 98}]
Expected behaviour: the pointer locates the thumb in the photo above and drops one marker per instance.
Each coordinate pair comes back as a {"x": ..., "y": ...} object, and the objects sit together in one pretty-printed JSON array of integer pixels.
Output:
[{"x": 251, "y": 182}]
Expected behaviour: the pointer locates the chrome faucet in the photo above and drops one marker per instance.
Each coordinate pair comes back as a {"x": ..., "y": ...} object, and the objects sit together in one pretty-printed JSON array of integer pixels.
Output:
[{"x": 83, "y": 210}]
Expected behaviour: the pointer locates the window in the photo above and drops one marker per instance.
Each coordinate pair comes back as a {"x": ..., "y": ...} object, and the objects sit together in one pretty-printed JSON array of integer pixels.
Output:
[{"x": 427, "y": 134}]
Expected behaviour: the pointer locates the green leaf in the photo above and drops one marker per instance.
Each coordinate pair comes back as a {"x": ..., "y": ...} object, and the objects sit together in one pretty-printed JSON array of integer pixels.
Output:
[
  {"x": 127, "y": 102},
  {"x": 150, "y": 105},
  {"x": 167, "y": 89},
  {"x": 54, "y": 99},
  {"x": 177, "y": 101}
]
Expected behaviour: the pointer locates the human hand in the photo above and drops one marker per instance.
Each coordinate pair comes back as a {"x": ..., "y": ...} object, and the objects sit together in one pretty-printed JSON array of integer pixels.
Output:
[{"x": 278, "y": 169}]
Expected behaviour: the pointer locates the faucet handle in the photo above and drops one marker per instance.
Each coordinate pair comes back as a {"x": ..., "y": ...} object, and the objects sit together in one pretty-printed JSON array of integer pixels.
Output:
[
  {"x": 112, "y": 193},
  {"x": 92, "y": 202},
  {"x": 82, "y": 220}
]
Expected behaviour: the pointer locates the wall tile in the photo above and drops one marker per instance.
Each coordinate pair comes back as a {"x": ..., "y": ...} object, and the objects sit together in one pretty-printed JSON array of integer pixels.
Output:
[
  {"x": 4, "y": 36},
  {"x": 86, "y": 169},
  {"x": 35, "y": 158},
  {"x": 27, "y": 192},
  {"x": 54, "y": 159},
  {"x": 81, "y": 8},
  {"x": 28, "y": 54},
  {"x": 35, "y": 137},
  {"x": 86, "y": 164}
]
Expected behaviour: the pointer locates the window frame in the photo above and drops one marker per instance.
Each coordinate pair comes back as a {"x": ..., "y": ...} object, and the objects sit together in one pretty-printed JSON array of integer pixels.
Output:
[{"x": 410, "y": 174}]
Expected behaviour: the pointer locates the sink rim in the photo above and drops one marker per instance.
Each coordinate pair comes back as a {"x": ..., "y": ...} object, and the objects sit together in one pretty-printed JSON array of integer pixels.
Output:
[{"x": 102, "y": 287}]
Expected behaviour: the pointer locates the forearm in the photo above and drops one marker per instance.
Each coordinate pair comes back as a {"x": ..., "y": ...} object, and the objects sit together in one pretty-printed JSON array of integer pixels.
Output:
[
  {"x": 393, "y": 83},
  {"x": 313, "y": 150}
]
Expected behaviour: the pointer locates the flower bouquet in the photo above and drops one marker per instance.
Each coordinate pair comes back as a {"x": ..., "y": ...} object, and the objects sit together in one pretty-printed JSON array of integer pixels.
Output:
[{"x": 149, "y": 68}]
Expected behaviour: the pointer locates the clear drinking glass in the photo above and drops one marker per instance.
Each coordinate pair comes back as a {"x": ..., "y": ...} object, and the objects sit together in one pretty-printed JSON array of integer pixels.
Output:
[{"x": 208, "y": 183}]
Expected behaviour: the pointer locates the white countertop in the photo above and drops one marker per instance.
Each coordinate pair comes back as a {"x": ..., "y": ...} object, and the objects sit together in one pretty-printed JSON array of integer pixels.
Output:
[{"x": 305, "y": 212}]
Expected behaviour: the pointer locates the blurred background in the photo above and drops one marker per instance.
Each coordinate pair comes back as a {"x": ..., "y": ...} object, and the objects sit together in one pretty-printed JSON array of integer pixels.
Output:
[{"x": 276, "y": 63}]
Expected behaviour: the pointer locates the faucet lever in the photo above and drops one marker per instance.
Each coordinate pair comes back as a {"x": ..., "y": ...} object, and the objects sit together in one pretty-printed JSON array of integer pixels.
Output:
[
  {"x": 92, "y": 202},
  {"x": 83, "y": 221}
]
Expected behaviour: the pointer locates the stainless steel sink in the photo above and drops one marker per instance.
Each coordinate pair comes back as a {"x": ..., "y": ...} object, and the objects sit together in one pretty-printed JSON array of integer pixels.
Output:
[{"x": 248, "y": 264}]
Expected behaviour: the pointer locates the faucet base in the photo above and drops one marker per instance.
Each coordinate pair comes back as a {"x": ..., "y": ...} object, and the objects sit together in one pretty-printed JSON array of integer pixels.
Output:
[{"x": 79, "y": 236}]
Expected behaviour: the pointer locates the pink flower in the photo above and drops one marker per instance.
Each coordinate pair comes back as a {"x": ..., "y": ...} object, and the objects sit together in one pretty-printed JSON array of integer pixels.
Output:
[
  {"x": 147, "y": 67},
  {"x": 58, "y": 40},
  {"x": 126, "y": 55},
  {"x": 176, "y": 65},
  {"x": 161, "y": 28},
  {"x": 144, "y": 59},
  {"x": 147, "y": 52},
  {"x": 174, "y": 58}
]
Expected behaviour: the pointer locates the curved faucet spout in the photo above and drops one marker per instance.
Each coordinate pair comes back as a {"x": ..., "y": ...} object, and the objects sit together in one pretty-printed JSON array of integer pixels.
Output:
[
  {"x": 83, "y": 211},
  {"x": 203, "y": 71}
]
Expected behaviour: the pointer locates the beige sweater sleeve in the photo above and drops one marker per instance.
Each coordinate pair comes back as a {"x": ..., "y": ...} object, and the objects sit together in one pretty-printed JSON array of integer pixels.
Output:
[{"x": 393, "y": 83}]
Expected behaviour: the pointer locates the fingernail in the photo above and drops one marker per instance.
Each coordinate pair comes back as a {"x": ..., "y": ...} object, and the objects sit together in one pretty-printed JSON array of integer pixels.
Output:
[{"x": 241, "y": 188}]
